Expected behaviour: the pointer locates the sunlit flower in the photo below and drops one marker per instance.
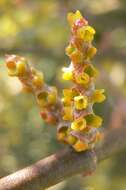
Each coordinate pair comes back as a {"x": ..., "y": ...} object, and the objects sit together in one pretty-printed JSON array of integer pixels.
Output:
[
  {"x": 78, "y": 124},
  {"x": 80, "y": 102},
  {"x": 98, "y": 96},
  {"x": 17, "y": 66},
  {"x": 86, "y": 33},
  {"x": 93, "y": 120},
  {"x": 38, "y": 79},
  {"x": 82, "y": 78},
  {"x": 67, "y": 73}
]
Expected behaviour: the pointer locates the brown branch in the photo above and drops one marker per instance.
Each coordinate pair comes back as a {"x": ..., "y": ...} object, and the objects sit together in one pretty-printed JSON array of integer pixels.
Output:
[{"x": 60, "y": 166}]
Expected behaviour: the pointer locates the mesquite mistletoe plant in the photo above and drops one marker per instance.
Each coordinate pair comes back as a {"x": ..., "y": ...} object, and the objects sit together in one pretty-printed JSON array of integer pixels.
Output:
[{"x": 77, "y": 124}]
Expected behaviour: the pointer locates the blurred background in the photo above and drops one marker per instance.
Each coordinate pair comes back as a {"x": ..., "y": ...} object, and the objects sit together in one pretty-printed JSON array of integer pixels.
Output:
[{"x": 39, "y": 31}]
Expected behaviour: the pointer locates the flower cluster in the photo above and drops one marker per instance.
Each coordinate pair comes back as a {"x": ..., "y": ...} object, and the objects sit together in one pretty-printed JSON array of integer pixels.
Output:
[
  {"x": 33, "y": 81},
  {"x": 79, "y": 128},
  {"x": 73, "y": 114}
]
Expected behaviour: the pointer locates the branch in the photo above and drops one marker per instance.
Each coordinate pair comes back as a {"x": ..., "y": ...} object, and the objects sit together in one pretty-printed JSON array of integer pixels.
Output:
[{"x": 66, "y": 163}]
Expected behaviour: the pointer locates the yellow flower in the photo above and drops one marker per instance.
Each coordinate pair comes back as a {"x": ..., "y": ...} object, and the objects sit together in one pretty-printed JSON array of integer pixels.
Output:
[
  {"x": 52, "y": 95},
  {"x": 68, "y": 95},
  {"x": 70, "y": 49},
  {"x": 45, "y": 98},
  {"x": 72, "y": 17},
  {"x": 91, "y": 52},
  {"x": 80, "y": 102},
  {"x": 17, "y": 68},
  {"x": 93, "y": 120},
  {"x": 78, "y": 124},
  {"x": 67, "y": 113},
  {"x": 71, "y": 139},
  {"x": 90, "y": 70},
  {"x": 38, "y": 79},
  {"x": 83, "y": 79},
  {"x": 80, "y": 146},
  {"x": 62, "y": 133},
  {"x": 42, "y": 98},
  {"x": 67, "y": 73},
  {"x": 98, "y": 96},
  {"x": 86, "y": 33}
]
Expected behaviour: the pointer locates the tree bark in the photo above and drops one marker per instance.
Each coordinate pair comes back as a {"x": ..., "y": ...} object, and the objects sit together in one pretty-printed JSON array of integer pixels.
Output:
[{"x": 64, "y": 164}]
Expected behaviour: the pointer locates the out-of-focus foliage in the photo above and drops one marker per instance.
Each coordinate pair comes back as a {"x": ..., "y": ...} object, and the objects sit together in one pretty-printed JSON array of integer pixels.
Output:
[{"x": 39, "y": 30}]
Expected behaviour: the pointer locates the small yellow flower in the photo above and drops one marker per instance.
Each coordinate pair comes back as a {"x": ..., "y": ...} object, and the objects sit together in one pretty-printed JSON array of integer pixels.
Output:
[
  {"x": 62, "y": 133},
  {"x": 67, "y": 74},
  {"x": 93, "y": 120},
  {"x": 83, "y": 79},
  {"x": 71, "y": 139},
  {"x": 52, "y": 95},
  {"x": 86, "y": 33},
  {"x": 21, "y": 68},
  {"x": 90, "y": 70},
  {"x": 80, "y": 146},
  {"x": 42, "y": 98},
  {"x": 17, "y": 68},
  {"x": 70, "y": 49},
  {"x": 68, "y": 95},
  {"x": 91, "y": 52},
  {"x": 98, "y": 96},
  {"x": 38, "y": 79},
  {"x": 67, "y": 113},
  {"x": 72, "y": 17},
  {"x": 80, "y": 102},
  {"x": 78, "y": 124}
]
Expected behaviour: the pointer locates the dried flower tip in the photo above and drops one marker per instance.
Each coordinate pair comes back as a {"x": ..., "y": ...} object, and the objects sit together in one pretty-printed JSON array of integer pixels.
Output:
[
  {"x": 79, "y": 124},
  {"x": 80, "y": 102},
  {"x": 48, "y": 117}
]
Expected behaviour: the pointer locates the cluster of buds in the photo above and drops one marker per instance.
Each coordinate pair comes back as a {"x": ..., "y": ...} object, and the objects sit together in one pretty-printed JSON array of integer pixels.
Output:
[
  {"x": 73, "y": 114},
  {"x": 33, "y": 81},
  {"x": 80, "y": 126}
]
